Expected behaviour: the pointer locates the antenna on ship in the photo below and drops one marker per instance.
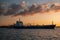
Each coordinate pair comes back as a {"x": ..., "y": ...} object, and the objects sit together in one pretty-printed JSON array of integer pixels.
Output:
[
  {"x": 52, "y": 22},
  {"x": 19, "y": 19}
]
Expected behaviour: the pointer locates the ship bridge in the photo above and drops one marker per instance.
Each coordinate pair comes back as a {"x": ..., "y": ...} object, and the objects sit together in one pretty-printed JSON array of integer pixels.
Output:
[{"x": 19, "y": 23}]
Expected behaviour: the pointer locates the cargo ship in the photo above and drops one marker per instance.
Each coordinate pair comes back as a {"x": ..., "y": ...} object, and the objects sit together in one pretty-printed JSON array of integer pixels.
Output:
[{"x": 19, "y": 25}]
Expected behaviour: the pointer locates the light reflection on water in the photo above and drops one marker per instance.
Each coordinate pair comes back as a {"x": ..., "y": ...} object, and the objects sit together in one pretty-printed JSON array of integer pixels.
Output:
[{"x": 29, "y": 34}]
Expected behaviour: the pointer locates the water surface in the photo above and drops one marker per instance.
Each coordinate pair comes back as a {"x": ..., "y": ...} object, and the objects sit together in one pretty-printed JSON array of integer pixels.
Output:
[{"x": 29, "y": 34}]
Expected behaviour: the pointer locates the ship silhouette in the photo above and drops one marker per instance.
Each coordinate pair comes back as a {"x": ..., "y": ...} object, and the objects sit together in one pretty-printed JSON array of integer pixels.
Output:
[{"x": 19, "y": 25}]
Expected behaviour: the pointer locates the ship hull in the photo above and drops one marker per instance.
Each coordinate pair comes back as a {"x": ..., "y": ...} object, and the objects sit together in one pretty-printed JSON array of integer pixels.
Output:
[
  {"x": 36, "y": 27},
  {"x": 31, "y": 27}
]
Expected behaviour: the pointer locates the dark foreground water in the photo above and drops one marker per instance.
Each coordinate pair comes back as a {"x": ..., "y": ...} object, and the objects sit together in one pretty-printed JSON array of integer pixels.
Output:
[{"x": 29, "y": 34}]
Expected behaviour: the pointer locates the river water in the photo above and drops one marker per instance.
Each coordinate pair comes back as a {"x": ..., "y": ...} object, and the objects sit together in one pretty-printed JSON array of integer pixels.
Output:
[{"x": 29, "y": 34}]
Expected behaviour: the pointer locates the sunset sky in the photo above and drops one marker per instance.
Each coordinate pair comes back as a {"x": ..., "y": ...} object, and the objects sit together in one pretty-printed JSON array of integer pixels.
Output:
[{"x": 30, "y": 11}]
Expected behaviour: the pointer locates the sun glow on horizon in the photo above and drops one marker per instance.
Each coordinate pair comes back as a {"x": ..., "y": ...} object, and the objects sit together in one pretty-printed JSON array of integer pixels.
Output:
[{"x": 37, "y": 19}]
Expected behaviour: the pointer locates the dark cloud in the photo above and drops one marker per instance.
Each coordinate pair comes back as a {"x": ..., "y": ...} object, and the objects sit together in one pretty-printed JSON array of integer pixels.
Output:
[
  {"x": 12, "y": 9},
  {"x": 3, "y": 8},
  {"x": 29, "y": 10},
  {"x": 55, "y": 6}
]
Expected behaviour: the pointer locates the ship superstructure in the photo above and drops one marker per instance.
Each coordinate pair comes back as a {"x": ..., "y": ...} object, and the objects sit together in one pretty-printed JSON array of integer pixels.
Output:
[{"x": 19, "y": 23}]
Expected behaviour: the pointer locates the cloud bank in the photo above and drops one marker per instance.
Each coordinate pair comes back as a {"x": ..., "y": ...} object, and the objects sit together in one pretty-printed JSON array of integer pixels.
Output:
[{"x": 23, "y": 10}]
